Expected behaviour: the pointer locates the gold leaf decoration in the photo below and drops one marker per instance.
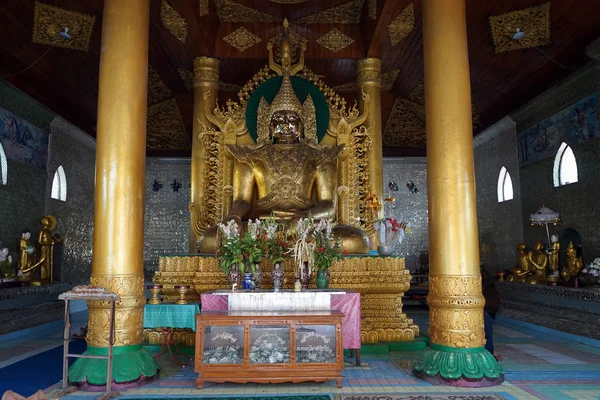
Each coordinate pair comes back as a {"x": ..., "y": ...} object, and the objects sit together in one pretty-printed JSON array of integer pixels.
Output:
[
  {"x": 230, "y": 11},
  {"x": 388, "y": 79},
  {"x": 534, "y": 22},
  {"x": 347, "y": 13},
  {"x": 187, "y": 77},
  {"x": 295, "y": 42},
  {"x": 165, "y": 127},
  {"x": 229, "y": 87},
  {"x": 346, "y": 87},
  {"x": 242, "y": 39},
  {"x": 289, "y": 1},
  {"x": 335, "y": 40},
  {"x": 373, "y": 9},
  {"x": 49, "y": 21},
  {"x": 203, "y": 8},
  {"x": 402, "y": 25},
  {"x": 406, "y": 125},
  {"x": 157, "y": 90},
  {"x": 418, "y": 93},
  {"x": 173, "y": 21}
]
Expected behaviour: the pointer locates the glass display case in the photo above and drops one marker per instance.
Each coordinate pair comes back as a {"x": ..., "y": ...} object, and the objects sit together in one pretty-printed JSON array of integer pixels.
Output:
[{"x": 269, "y": 347}]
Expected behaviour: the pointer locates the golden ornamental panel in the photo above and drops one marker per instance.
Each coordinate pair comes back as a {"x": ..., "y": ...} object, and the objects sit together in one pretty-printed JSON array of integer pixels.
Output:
[
  {"x": 533, "y": 22},
  {"x": 402, "y": 25},
  {"x": 388, "y": 79},
  {"x": 185, "y": 337},
  {"x": 165, "y": 128},
  {"x": 230, "y": 11},
  {"x": 405, "y": 126},
  {"x": 49, "y": 21},
  {"x": 456, "y": 311},
  {"x": 347, "y": 13},
  {"x": 335, "y": 40},
  {"x": 242, "y": 39},
  {"x": 187, "y": 77},
  {"x": 418, "y": 93},
  {"x": 157, "y": 90},
  {"x": 203, "y": 9},
  {"x": 373, "y": 9},
  {"x": 173, "y": 21}
]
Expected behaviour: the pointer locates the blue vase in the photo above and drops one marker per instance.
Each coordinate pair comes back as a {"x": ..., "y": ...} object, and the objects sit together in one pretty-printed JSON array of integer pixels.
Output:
[{"x": 247, "y": 281}]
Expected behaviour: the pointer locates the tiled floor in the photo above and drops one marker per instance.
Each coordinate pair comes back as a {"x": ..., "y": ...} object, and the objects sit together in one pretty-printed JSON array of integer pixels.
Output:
[{"x": 538, "y": 366}]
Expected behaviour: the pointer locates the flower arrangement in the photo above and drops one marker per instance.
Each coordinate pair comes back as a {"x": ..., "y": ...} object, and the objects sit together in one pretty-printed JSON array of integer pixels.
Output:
[
  {"x": 275, "y": 245},
  {"x": 590, "y": 275},
  {"x": 593, "y": 269},
  {"x": 252, "y": 245},
  {"x": 327, "y": 247},
  {"x": 304, "y": 247},
  {"x": 391, "y": 231},
  {"x": 230, "y": 250}
]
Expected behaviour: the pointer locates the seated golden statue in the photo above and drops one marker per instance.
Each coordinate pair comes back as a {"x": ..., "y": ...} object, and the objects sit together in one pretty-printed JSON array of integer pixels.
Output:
[
  {"x": 522, "y": 270},
  {"x": 538, "y": 261},
  {"x": 573, "y": 263},
  {"x": 287, "y": 173}
]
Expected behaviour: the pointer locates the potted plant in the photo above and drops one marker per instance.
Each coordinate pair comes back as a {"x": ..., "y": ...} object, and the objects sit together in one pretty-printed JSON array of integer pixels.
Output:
[
  {"x": 390, "y": 232},
  {"x": 327, "y": 249},
  {"x": 229, "y": 252}
]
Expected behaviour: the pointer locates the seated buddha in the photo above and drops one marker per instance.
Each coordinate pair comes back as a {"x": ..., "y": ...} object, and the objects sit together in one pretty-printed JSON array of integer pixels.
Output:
[
  {"x": 522, "y": 270},
  {"x": 573, "y": 264},
  {"x": 287, "y": 173}
]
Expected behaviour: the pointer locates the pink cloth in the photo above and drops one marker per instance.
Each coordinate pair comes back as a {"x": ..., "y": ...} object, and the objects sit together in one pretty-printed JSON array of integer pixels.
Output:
[{"x": 348, "y": 303}]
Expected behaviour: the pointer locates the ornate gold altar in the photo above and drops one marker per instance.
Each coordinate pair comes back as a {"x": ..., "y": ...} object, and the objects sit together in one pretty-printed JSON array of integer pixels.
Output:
[{"x": 380, "y": 281}]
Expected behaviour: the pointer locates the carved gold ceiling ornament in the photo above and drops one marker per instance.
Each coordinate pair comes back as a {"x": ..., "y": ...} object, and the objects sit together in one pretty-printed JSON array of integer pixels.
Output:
[
  {"x": 173, "y": 21},
  {"x": 406, "y": 125},
  {"x": 49, "y": 21},
  {"x": 230, "y": 11},
  {"x": 165, "y": 128},
  {"x": 242, "y": 39},
  {"x": 335, "y": 40},
  {"x": 347, "y": 13},
  {"x": 418, "y": 93},
  {"x": 289, "y": 1},
  {"x": 187, "y": 77},
  {"x": 157, "y": 90},
  {"x": 373, "y": 9},
  {"x": 296, "y": 41},
  {"x": 534, "y": 22},
  {"x": 402, "y": 25},
  {"x": 388, "y": 79},
  {"x": 229, "y": 87},
  {"x": 346, "y": 87},
  {"x": 203, "y": 8}
]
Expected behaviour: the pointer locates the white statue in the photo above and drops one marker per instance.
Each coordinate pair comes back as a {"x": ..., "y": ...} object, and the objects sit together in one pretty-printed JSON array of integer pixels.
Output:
[{"x": 4, "y": 256}]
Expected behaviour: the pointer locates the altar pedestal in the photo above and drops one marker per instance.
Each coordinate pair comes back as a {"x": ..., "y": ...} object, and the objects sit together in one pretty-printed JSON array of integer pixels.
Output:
[{"x": 286, "y": 300}]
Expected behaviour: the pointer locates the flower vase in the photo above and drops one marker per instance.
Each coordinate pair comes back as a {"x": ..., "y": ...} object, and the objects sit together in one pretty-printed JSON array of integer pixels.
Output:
[
  {"x": 304, "y": 276},
  {"x": 277, "y": 274},
  {"x": 247, "y": 281},
  {"x": 234, "y": 274},
  {"x": 258, "y": 276},
  {"x": 322, "y": 279},
  {"x": 386, "y": 251}
]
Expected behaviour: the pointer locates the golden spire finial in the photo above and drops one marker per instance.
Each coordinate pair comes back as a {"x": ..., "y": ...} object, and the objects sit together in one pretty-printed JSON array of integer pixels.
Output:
[{"x": 286, "y": 53}]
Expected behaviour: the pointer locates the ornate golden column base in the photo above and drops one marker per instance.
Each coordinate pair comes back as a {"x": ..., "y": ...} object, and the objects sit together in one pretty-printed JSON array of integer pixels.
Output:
[
  {"x": 186, "y": 337},
  {"x": 380, "y": 281}
]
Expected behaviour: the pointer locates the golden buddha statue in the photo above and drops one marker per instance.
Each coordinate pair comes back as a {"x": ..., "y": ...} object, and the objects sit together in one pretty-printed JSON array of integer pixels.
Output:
[
  {"x": 286, "y": 173},
  {"x": 538, "y": 261},
  {"x": 573, "y": 263},
  {"x": 45, "y": 264},
  {"x": 522, "y": 270}
]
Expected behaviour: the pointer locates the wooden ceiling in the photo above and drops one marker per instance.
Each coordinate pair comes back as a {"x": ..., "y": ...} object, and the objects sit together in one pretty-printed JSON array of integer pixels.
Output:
[{"x": 66, "y": 80}]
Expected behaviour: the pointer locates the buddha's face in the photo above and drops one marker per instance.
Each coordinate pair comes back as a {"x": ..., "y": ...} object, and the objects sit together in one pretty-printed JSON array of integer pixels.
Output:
[{"x": 286, "y": 126}]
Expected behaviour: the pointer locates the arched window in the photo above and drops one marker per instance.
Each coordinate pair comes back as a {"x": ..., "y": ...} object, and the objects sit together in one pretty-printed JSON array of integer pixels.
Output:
[
  {"x": 3, "y": 166},
  {"x": 505, "y": 186},
  {"x": 59, "y": 185},
  {"x": 565, "y": 166}
]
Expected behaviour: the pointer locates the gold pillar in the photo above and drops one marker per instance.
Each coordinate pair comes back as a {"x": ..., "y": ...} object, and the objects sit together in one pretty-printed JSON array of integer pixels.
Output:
[
  {"x": 117, "y": 260},
  {"x": 368, "y": 73},
  {"x": 455, "y": 299},
  {"x": 206, "y": 77}
]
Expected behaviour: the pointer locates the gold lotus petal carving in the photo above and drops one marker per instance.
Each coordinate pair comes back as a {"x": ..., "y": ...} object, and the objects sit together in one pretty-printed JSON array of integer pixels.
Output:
[
  {"x": 165, "y": 128},
  {"x": 402, "y": 25},
  {"x": 335, "y": 40},
  {"x": 242, "y": 39},
  {"x": 534, "y": 22},
  {"x": 347, "y": 13},
  {"x": 173, "y": 21},
  {"x": 203, "y": 8},
  {"x": 48, "y": 21},
  {"x": 157, "y": 90},
  {"x": 388, "y": 79},
  {"x": 230, "y": 11},
  {"x": 405, "y": 126},
  {"x": 187, "y": 77}
]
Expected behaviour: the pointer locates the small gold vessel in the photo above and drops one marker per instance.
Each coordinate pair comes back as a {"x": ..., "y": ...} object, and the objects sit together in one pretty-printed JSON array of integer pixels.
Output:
[
  {"x": 155, "y": 291},
  {"x": 183, "y": 290}
]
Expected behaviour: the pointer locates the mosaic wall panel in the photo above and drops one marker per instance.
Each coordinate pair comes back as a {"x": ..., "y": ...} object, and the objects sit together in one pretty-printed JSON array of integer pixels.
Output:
[
  {"x": 22, "y": 141},
  {"x": 411, "y": 207},
  {"x": 76, "y": 152},
  {"x": 500, "y": 227},
  {"x": 167, "y": 219}
]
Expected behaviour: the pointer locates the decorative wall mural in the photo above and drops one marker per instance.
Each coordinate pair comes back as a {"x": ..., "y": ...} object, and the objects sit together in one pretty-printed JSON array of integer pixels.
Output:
[
  {"x": 347, "y": 13},
  {"x": 23, "y": 141},
  {"x": 574, "y": 125}
]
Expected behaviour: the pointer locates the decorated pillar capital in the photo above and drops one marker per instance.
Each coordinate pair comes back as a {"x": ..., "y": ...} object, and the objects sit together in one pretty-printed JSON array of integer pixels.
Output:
[
  {"x": 206, "y": 71},
  {"x": 368, "y": 71}
]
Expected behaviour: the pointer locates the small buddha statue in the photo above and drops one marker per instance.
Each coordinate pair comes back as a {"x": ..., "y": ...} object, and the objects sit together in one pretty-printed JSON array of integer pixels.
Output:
[
  {"x": 538, "y": 261},
  {"x": 522, "y": 270},
  {"x": 46, "y": 241},
  {"x": 573, "y": 264}
]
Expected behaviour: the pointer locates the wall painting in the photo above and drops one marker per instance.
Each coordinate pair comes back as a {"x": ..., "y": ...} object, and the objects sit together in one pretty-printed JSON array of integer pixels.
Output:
[{"x": 23, "y": 141}]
